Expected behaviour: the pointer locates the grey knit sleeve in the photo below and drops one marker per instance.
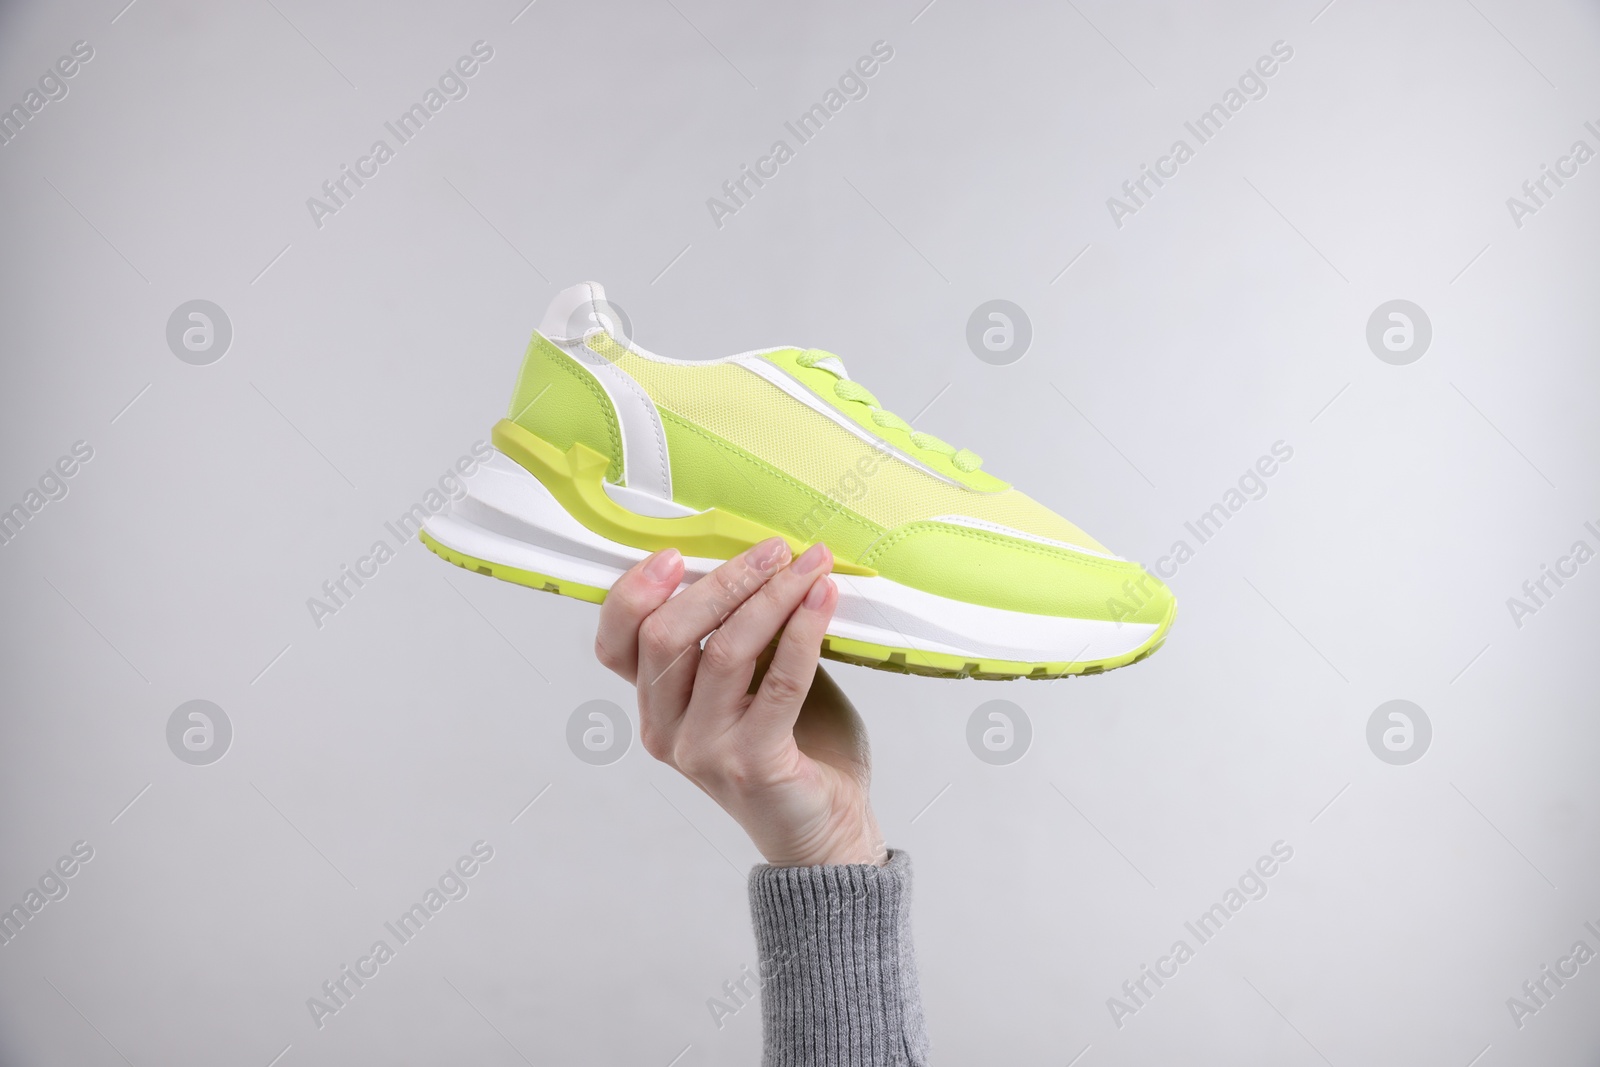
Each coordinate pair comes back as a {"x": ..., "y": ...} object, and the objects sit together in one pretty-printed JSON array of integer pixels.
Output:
[{"x": 838, "y": 972}]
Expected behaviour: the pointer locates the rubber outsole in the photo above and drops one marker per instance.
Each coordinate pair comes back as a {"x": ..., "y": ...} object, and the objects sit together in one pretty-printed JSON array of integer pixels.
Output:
[{"x": 841, "y": 649}]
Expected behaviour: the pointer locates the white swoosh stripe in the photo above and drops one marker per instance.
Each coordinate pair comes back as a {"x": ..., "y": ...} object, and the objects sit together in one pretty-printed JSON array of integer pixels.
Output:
[
  {"x": 782, "y": 380},
  {"x": 995, "y": 527}
]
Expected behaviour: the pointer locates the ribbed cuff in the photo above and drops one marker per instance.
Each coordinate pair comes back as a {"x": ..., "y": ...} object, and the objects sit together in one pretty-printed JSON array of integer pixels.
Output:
[{"x": 838, "y": 971}]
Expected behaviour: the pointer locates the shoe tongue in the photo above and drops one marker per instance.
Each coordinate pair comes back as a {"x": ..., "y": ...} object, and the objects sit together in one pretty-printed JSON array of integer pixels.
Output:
[
  {"x": 829, "y": 362},
  {"x": 581, "y": 308}
]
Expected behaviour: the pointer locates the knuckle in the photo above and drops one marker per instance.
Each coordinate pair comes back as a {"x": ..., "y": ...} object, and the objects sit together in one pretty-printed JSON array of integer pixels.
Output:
[
  {"x": 692, "y": 760},
  {"x": 654, "y": 741},
  {"x": 632, "y": 600},
  {"x": 622, "y": 596},
  {"x": 722, "y": 653},
  {"x": 655, "y": 638},
  {"x": 782, "y": 686},
  {"x": 737, "y": 763}
]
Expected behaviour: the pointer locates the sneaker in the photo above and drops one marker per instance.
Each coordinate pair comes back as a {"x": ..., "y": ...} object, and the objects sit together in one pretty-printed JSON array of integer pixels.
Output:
[{"x": 610, "y": 452}]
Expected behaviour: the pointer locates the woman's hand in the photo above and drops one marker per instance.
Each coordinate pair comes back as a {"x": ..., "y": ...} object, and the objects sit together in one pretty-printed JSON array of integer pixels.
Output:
[{"x": 787, "y": 757}]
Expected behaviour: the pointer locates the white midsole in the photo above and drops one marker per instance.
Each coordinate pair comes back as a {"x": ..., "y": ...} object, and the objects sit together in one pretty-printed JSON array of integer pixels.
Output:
[{"x": 507, "y": 516}]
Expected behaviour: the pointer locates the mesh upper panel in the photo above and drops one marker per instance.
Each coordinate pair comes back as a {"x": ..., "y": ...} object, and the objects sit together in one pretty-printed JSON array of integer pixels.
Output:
[{"x": 747, "y": 410}]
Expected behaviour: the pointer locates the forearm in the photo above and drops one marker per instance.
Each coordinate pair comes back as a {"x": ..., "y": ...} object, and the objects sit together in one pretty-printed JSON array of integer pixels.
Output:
[{"x": 838, "y": 969}]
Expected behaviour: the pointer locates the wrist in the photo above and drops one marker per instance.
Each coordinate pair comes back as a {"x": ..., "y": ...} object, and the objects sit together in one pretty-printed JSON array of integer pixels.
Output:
[
  {"x": 865, "y": 854},
  {"x": 862, "y": 846}
]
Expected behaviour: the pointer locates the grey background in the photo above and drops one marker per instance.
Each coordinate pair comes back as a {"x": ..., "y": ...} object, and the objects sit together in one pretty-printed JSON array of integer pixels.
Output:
[{"x": 369, "y": 354}]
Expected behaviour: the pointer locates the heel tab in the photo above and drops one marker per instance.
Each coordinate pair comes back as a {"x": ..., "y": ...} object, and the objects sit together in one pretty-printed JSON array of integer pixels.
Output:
[{"x": 580, "y": 308}]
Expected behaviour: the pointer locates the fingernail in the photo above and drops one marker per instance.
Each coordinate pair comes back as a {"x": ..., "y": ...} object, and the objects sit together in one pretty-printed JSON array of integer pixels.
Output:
[
  {"x": 812, "y": 558},
  {"x": 663, "y": 565},
  {"x": 818, "y": 593},
  {"x": 770, "y": 554}
]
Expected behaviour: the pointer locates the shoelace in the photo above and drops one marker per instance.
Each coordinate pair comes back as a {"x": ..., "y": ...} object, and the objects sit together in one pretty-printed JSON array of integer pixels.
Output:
[{"x": 965, "y": 460}]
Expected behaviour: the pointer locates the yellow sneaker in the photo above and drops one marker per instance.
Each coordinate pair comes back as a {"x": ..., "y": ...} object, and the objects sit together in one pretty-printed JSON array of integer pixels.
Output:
[{"x": 610, "y": 452}]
